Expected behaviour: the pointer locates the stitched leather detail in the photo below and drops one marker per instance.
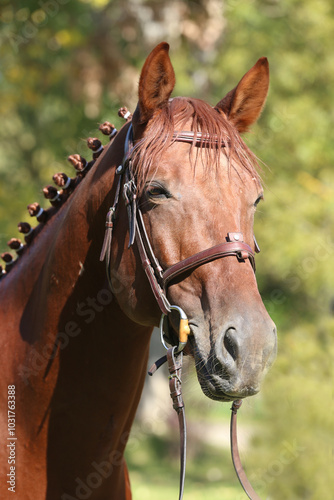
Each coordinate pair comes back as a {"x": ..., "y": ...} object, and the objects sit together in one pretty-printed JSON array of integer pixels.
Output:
[{"x": 239, "y": 249}]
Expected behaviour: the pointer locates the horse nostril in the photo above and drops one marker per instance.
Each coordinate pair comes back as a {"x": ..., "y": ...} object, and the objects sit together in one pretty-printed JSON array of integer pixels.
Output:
[{"x": 230, "y": 344}]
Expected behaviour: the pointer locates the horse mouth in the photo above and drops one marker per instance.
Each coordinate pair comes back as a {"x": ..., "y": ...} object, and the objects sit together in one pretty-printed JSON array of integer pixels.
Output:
[
  {"x": 213, "y": 387},
  {"x": 219, "y": 389},
  {"x": 217, "y": 386}
]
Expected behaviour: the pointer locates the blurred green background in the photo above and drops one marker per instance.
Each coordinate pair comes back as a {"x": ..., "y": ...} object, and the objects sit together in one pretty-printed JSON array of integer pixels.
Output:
[{"x": 68, "y": 65}]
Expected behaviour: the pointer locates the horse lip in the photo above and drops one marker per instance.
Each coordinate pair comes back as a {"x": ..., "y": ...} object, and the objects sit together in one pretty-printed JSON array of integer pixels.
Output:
[
  {"x": 214, "y": 386},
  {"x": 206, "y": 380},
  {"x": 210, "y": 389}
]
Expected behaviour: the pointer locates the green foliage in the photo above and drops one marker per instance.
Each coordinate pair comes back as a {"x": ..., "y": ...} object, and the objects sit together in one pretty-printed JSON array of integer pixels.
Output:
[
  {"x": 297, "y": 462},
  {"x": 65, "y": 70}
]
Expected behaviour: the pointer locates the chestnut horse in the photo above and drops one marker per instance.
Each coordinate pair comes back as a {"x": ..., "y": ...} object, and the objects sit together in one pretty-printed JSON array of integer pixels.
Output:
[{"x": 73, "y": 351}]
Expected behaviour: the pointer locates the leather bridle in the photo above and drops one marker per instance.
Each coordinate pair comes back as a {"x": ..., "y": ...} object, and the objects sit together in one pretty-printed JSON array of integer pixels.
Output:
[{"x": 160, "y": 278}]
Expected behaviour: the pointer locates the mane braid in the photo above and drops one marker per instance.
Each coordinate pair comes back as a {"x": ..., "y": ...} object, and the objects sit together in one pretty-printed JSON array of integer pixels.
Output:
[
  {"x": 173, "y": 119},
  {"x": 58, "y": 198}
]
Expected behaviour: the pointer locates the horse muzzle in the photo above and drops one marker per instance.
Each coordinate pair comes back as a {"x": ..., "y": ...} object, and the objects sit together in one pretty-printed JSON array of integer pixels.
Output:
[{"x": 232, "y": 364}]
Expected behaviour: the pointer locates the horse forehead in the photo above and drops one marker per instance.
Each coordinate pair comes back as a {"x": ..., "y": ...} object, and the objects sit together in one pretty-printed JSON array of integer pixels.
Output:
[
  {"x": 194, "y": 168},
  {"x": 182, "y": 160}
]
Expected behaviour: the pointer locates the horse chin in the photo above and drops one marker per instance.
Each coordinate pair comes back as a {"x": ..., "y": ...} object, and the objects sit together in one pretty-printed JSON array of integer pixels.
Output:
[
  {"x": 212, "y": 393},
  {"x": 220, "y": 390}
]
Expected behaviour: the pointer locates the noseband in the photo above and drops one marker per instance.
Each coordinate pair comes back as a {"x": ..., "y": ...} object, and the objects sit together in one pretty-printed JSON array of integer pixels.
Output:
[{"x": 159, "y": 280}]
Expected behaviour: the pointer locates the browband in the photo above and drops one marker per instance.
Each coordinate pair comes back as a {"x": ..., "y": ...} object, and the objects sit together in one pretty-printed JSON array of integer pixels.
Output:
[{"x": 197, "y": 138}]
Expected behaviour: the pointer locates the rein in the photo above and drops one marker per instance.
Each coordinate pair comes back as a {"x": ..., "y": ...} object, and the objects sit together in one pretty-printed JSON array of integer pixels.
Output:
[{"x": 159, "y": 279}]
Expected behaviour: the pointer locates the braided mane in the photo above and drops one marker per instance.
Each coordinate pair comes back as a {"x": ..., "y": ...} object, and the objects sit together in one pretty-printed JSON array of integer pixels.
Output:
[{"x": 57, "y": 195}]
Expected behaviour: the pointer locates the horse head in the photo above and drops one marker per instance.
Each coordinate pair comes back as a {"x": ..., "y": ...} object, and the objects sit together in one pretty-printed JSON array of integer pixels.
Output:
[{"x": 197, "y": 188}]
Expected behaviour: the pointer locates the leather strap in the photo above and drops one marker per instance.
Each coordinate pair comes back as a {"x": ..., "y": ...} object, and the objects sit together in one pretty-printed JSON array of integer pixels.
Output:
[
  {"x": 154, "y": 261},
  {"x": 159, "y": 279},
  {"x": 235, "y": 454},
  {"x": 130, "y": 198},
  {"x": 240, "y": 249},
  {"x": 196, "y": 138},
  {"x": 175, "y": 369},
  {"x": 159, "y": 294}
]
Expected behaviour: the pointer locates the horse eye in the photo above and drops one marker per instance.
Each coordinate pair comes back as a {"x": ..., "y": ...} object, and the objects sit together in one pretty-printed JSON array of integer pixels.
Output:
[
  {"x": 157, "y": 192},
  {"x": 258, "y": 200}
]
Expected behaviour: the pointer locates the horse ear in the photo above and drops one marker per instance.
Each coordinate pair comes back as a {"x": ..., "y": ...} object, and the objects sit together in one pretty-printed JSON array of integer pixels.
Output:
[
  {"x": 156, "y": 82},
  {"x": 243, "y": 104}
]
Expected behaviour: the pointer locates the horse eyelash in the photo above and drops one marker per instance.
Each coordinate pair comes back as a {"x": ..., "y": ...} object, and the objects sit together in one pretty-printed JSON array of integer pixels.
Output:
[{"x": 260, "y": 198}]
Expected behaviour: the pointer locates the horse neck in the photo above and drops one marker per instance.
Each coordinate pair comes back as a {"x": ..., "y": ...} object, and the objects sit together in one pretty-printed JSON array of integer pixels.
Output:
[
  {"x": 67, "y": 248},
  {"x": 77, "y": 361},
  {"x": 57, "y": 300}
]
